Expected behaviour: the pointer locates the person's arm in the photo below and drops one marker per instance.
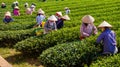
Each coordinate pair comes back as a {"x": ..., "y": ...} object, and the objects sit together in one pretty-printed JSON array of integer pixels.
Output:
[
  {"x": 82, "y": 31},
  {"x": 37, "y": 19},
  {"x": 4, "y": 20},
  {"x": 55, "y": 27},
  {"x": 114, "y": 36},
  {"x": 95, "y": 29},
  {"x": 46, "y": 27},
  {"x": 99, "y": 39}
]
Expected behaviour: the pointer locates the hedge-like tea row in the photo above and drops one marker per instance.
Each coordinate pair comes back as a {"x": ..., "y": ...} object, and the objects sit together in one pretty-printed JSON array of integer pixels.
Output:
[
  {"x": 11, "y": 37},
  {"x": 112, "y": 61},
  {"x": 75, "y": 54},
  {"x": 16, "y": 26},
  {"x": 38, "y": 44}
]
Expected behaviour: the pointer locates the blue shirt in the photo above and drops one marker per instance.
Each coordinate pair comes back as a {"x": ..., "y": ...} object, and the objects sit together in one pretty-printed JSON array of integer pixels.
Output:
[
  {"x": 59, "y": 23},
  {"x": 40, "y": 18},
  {"x": 108, "y": 39},
  {"x": 7, "y": 20}
]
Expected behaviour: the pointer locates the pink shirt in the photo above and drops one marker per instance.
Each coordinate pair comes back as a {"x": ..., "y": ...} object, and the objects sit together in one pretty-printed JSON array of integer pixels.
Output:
[
  {"x": 87, "y": 30},
  {"x": 16, "y": 12}
]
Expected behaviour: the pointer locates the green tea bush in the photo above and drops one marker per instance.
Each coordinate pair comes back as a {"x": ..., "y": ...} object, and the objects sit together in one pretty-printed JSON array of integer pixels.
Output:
[
  {"x": 11, "y": 37},
  {"x": 16, "y": 26},
  {"x": 75, "y": 54},
  {"x": 38, "y": 44},
  {"x": 111, "y": 61}
]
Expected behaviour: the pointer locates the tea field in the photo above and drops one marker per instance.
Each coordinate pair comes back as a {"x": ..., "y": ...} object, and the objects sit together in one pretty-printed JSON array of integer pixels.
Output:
[{"x": 22, "y": 48}]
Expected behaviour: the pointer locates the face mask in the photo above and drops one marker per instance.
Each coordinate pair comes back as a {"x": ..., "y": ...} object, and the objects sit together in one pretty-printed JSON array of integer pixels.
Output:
[
  {"x": 51, "y": 23},
  {"x": 102, "y": 29},
  {"x": 86, "y": 24}
]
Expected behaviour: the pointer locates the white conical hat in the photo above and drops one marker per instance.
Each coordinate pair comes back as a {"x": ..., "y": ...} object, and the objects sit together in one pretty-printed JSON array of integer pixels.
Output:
[
  {"x": 66, "y": 17},
  {"x": 105, "y": 24},
  {"x": 26, "y": 3},
  {"x": 59, "y": 13},
  {"x": 53, "y": 18},
  {"x": 41, "y": 11},
  {"x": 3, "y": 3},
  {"x": 88, "y": 19},
  {"x": 28, "y": 9},
  {"x": 66, "y": 8},
  {"x": 16, "y": 1},
  {"x": 16, "y": 7},
  {"x": 33, "y": 6},
  {"x": 7, "y": 13}
]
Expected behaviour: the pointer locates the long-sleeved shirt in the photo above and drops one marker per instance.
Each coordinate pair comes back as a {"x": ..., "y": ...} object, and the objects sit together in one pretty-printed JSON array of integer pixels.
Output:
[
  {"x": 87, "y": 30},
  {"x": 40, "y": 18},
  {"x": 16, "y": 12},
  {"x": 108, "y": 39},
  {"x": 49, "y": 27},
  {"x": 59, "y": 23},
  {"x": 67, "y": 11},
  {"x": 6, "y": 20}
]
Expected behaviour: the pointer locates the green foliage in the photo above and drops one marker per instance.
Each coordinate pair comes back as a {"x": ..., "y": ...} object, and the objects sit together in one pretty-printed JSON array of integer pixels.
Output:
[
  {"x": 11, "y": 37},
  {"x": 16, "y": 26},
  {"x": 38, "y": 44},
  {"x": 111, "y": 61},
  {"x": 69, "y": 54}
]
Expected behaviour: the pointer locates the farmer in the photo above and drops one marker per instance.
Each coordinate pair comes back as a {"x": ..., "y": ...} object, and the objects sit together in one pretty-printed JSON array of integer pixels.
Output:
[
  {"x": 60, "y": 21},
  {"x": 50, "y": 25},
  {"x": 108, "y": 38},
  {"x": 32, "y": 8},
  {"x": 87, "y": 28},
  {"x": 67, "y": 10},
  {"x": 13, "y": 5},
  {"x": 16, "y": 3},
  {"x": 3, "y": 5},
  {"x": 7, "y": 18},
  {"x": 16, "y": 11},
  {"x": 26, "y": 5},
  {"x": 28, "y": 11},
  {"x": 40, "y": 17}
]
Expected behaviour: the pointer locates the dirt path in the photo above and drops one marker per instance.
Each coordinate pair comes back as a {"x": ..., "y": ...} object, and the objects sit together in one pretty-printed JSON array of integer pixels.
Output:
[{"x": 4, "y": 63}]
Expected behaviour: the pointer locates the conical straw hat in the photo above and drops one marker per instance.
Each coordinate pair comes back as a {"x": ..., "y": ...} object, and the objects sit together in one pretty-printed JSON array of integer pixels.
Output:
[
  {"x": 8, "y": 14},
  {"x": 104, "y": 24},
  {"x": 53, "y": 18},
  {"x": 66, "y": 17},
  {"x": 88, "y": 19},
  {"x": 16, "y": 7},
  {"x": 40, "y": 11},
  {"x": 26, "y": 4},
  {"x": 59, "y": 13},
  {"x": 3, "y": 3},
  {"x": 66, "y": 8},
  {"x": 33, "y": 6},
  {"x": 28, "y": 9}
]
